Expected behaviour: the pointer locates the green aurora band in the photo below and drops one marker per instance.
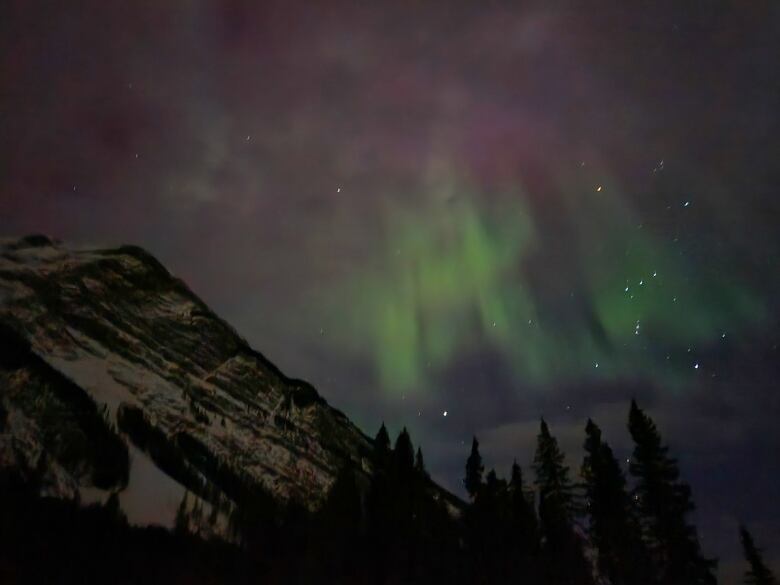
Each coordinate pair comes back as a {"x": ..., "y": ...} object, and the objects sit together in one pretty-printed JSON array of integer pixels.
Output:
[{"x": 454, "y": 277}]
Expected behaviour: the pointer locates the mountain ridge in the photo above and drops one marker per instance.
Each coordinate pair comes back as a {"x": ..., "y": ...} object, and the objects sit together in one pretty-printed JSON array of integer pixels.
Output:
[{"x": 170, "y": 377}]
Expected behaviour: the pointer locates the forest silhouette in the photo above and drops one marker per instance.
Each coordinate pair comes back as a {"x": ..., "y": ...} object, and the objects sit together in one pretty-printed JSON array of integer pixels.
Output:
[{"x": 391, "y": 527}]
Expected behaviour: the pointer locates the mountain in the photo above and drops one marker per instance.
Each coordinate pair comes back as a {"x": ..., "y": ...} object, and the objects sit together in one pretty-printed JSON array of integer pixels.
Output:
[{"x": 116, "y": 378}]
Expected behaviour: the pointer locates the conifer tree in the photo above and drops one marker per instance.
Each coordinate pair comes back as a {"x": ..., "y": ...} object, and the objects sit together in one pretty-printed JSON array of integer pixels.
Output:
[
  {"x": 758, "y": 573},
  {"x": 403, "y": 454},
  {"x": 379, "y": 502},
  {"x": 563, "y": 550},
  {"x": 407, "y": 506},
  {"x": 613, "y": 529},
  {"x": 552, "y": 476},
  {"x": 402, "y": 485},
  {"x": 487, "y": 531},
  {"x": 382, "y": 446},
  {"x": 523, "y": 517},
  {"x": 419, "y": 464},
  {"x": 664, "y": 502},
  {"x": 491, "y": 481},
  {"x": 523, "y": 530},
  {"x": 391, "y": 504},
  {"x": 479, "y": 519},
  {"x": 474, "y": 470}
]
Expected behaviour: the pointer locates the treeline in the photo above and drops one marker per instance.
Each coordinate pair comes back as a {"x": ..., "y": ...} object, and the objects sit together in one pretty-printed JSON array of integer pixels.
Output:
[
  {"x": 45, "y": 541},
  {"x": 394, "y": 526},
  {"x": 605, "y": 526},
  {"x": 553, "y": 531},
  {"x": 597, "y": 528}
]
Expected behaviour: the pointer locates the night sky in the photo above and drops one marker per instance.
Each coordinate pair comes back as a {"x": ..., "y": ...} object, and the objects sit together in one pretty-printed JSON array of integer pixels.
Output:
[{"x": 455, "y": 216}]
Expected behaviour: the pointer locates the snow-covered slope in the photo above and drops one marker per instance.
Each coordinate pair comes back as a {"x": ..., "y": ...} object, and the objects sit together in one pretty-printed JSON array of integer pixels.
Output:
[{"x": 164, "y": 374}]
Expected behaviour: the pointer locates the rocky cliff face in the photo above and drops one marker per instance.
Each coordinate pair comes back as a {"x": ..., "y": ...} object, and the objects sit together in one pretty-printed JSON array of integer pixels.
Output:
[{"x": 109, "y": 363}]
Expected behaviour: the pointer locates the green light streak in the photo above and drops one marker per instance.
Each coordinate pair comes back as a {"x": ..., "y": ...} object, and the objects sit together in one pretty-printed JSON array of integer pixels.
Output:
[{"x": 453, "y": 280}]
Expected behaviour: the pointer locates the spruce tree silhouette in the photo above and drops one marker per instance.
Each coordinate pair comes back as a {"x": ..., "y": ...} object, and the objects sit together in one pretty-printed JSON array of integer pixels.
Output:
[
  {"x": 419, "y": 464},
  {"x": 758, "y": 573},
  {"x": 613, "y": 528},
  {"x": 380, "y": 506},
  {"x": 403, "y": 455},
  {"x": 563, "y": 556},
  {"x": 400, "y": 505},
  {"x": 524, "y": 527},
  {"x": 382, "y": 446},
  {"x": 664, "y": 502},
  {"x": 474, "y": 470}
]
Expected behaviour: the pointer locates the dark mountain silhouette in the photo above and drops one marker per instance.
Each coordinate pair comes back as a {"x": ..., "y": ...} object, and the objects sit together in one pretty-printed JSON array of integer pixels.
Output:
[{"x": 104, "y": 350}]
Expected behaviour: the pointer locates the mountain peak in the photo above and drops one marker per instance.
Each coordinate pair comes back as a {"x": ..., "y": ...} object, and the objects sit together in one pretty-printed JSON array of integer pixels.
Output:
[{"x": 192, "y": 399}]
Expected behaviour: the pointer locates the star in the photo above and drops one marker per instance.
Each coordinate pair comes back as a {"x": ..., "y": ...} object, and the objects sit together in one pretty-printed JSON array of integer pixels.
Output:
[{"x": 444, "y": 413}]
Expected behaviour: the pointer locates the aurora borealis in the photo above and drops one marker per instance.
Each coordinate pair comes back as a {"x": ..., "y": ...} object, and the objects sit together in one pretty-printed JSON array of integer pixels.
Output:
[
  {"x": 457, "y": 279},
  {"x": 498, "y": 210}
]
